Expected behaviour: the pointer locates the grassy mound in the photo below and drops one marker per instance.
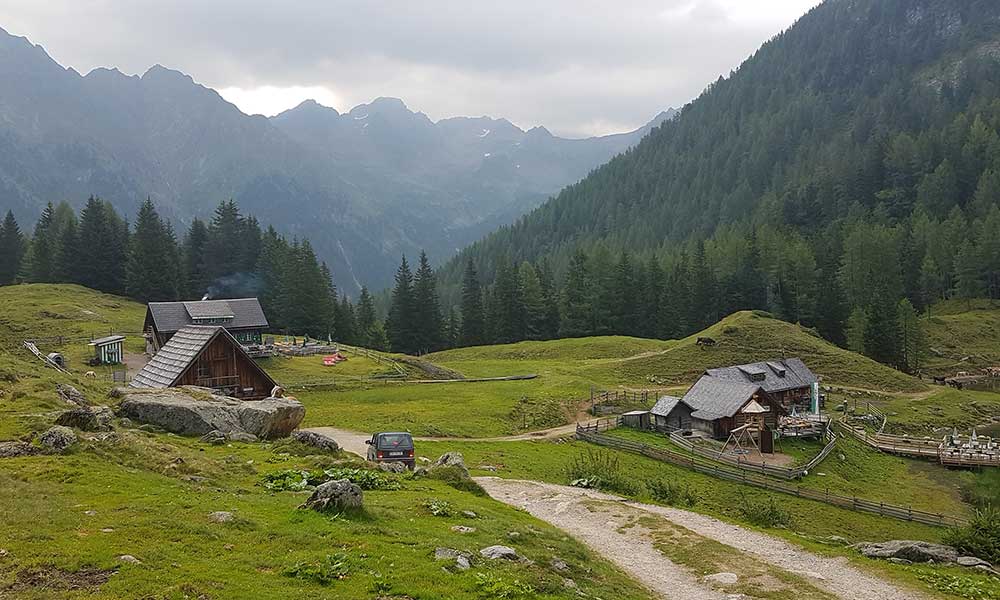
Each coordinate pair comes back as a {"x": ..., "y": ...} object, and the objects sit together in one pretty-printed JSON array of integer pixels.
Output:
[
  {"x": 588, "y": 348},
  {"x": 754, "y": 336},
  {"x": 958, "y": 330}
]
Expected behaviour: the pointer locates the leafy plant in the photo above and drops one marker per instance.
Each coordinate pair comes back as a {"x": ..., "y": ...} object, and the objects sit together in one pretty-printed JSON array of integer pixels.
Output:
[
  {"x": 333, "y": 568},
  {"x": 601, "y": 470},
  {"x": 299, "y": 479},
  {"x": 366, "y": 479},
  {"x": 494, "y": 586},
  {"x": 964, "y": 587},
  {"x": 287, "y": 480},
  {"x": 765, "y": 514},
  {"x": 439, "y": 508},
  {"x": 672, "y": 493},
  {"x": 981, "y": 537}
]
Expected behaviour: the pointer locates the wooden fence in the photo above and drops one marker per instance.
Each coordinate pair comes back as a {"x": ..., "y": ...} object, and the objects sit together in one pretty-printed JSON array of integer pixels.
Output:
[{"x": 699, "y": 464}]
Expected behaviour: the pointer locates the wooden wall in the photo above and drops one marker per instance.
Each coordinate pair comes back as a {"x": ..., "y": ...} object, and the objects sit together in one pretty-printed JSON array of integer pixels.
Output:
[{"x": 226, "y": 368}]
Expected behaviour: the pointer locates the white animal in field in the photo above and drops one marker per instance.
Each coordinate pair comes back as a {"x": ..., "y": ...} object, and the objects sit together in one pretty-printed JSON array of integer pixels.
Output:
[{"x": 90, "y": 374}]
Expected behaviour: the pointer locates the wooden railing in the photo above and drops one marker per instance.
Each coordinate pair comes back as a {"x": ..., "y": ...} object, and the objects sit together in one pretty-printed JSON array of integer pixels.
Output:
[{"x": 729, "y": 473}]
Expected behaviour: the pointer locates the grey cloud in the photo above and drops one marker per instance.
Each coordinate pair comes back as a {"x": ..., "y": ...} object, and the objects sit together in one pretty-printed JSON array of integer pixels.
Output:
[{"x": 570, "y": 65}]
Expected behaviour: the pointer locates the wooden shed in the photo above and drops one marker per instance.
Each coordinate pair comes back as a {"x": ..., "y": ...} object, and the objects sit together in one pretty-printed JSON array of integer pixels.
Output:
[
  {"x": 206, "y": 356},
  {"x": 108, "y": 350},
  {"x": 671, "y": 414},
  {"x": 636, "y": 419}
]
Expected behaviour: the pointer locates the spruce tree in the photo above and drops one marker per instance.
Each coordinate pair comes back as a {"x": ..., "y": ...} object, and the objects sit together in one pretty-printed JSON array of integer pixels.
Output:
[
  {"x": 101, "y": 247},
  {"x": 195, "y": 280},
  {"x": 152, "y": 269},
  {"x": 883, "y": 337},
  {"x": 400, "y": 326},
  {"x": 427, "y": 323},
  {"x": 272, "y": 261},
  {"x": 913, "y": 343},
  {"x": 533, "y": 300},
  {"x": 67, "y": 265},
  {"x": 550, "y": 298},
  {"x": 224, "y": 246},
  {"x": 508, "y": 305},
  {"x": 473, "y": 333},
  {"x": 577, "y": 309},
  {"x": 12, "y": 248},
  {"x": 44, "y": 247},
  {"x": 627, "y": 317},
  {"x": 367, "y": 319}
]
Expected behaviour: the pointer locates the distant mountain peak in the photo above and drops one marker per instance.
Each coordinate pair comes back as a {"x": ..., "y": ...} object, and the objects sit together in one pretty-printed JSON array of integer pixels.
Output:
[{"x": 159, "y": 72}]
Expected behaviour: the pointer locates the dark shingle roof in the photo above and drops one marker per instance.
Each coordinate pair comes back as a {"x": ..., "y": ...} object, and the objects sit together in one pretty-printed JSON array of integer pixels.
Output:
[
  {"x": 773, "y": 375},
  {"x": 664, "y": 405},
  {"x": 244, "y": 313},
  {"x": 713, "y": 398},
  {"x": 174, "y": 358}
]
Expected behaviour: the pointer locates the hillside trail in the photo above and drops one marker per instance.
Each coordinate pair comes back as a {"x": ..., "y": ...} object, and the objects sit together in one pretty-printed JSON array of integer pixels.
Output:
[{"x": 630, "y": 534}]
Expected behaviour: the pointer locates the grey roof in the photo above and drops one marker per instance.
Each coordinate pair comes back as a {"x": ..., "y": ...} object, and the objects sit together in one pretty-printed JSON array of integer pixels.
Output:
[
  {"x": 104, "y": 341},
  {"x": 713, "y": 398},
  {"x": 664, "y": 405},
  {"x": 174, "y": 358},
  {"x": 246, "y": 313},
  {"x": 777, "y": 375}
]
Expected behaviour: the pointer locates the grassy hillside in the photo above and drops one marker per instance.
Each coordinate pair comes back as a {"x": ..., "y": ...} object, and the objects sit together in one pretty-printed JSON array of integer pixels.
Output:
[
  {"x": 958, "y": 330},
  {"x": 753, "y": 336},
  {"x": 589, "y": 348}
]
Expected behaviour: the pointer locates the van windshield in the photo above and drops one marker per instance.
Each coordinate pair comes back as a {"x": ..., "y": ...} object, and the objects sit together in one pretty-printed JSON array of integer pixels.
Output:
[{"x": 395, "y": 440}]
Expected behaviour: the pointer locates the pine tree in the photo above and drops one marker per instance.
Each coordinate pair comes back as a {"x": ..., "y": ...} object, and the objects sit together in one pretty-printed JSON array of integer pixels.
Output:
[
  {"x": 44, "y": 247},
  {"x": 152, "y": 269},
  {"x": 66, "y": 268},
  {"x": 12, "y": 248},
  {"x": 473, "y": 333},
  {"x": 347, "y": 325},
  {"x": 400, "y": 327},
  {"x": 508, "y": 306},
  {"x": 533, "y": 300},
  {"x": 627, "y": 311},
  {"x": 550, "y": 298},
  {"x": 883, "y": 336},
  {"x": 195, "y": 280},
  {"x": 913, "y": 343},
  {"x": 968, "y": 272},
  {"x": 224, "y": 246},
  {"x": 101, "y": 247},
  {"x": 367, "y": 319},
  {"x": 427, "y": 324},
  {"x": 273, "y": 259},
  {"x": 577, "y": 310},
  {"x": 857, "y": 324}
]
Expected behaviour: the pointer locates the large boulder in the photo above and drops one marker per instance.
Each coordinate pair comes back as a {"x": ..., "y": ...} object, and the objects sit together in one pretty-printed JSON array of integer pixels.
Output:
[
  {"x": 182, "y": 413},
  {"x": 336, "y": 495},
  {"x": 57, "y": 439},
  {"x": 913, "y": 551},
  {"x": 98, "y": 418},
  {"x": 499, "y": 553},
  {"x": 452, "y": 459},
  {"x": 316, "y": 440}
]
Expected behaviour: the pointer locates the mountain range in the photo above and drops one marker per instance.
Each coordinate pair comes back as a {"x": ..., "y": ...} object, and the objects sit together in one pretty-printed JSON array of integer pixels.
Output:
[{"x": 364, "y": 187}]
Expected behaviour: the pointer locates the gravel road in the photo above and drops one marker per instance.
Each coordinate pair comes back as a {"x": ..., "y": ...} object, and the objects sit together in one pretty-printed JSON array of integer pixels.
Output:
[{"x": 631, "y": 548}]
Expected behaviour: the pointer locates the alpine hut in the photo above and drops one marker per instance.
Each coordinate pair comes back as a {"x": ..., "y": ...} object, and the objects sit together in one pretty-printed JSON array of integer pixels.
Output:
[
  {"x": 243, "y": 318},
  {"x": 206, "y": 356},
  {"x": 788, "y": 382},
  {"x": 671, "y": 413},
  {"x": 719, "y": 406}
]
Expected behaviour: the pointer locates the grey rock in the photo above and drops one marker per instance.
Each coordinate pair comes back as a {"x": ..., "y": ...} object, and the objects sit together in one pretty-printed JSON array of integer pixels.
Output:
[
  {"x": 463, "y": 529},
  {"x": 316, "y": 440},
  {"x": 424, "y": 460},
  {"x": 569, "y": 583},
  {"x": 559, "y": 565},
  {"x": 98, "y": 418},
  {"x": 15, "y": 449},
  {"x": 339, "y": 494},
  {"x": 241, "y": 436},
  {"x": 513, "y": 535},
  {"x": 176, "y": 411},
  {"x": 126, "y": 423},
  {"x": 70, "y": 394},
  {"x": 971, "y": 561},
  {"x": 128, "y": 558},
  {"x": 461, "y": 560},
  {"x": 987, "y": 569},
  {"x": 392, "y": 467},
  {"x": 900, "y": 561},
  {"x": 214, "y": 437},
  {"x": 57, "y": 439},
  {"x": 451, "y": 459},
  {"x": 462, "y": 563},
  {"x": 420, "y": 472},
  {"x": 722, "y": 578},
  {"x": 915, "y": 551},
  {"x": 469, "y": 514},
  {"x": 499, "y": 553},
  {"x": 836, "y": 539},
  {"x": 489, "y": 468},
  {"x": 150, "y": 428},
  {"x": 221, "y": 516}
]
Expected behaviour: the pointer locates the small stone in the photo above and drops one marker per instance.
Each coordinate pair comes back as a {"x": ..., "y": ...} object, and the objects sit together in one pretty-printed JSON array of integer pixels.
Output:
[
  {"x": 107, "y": 530},
  {"x": 4, "y": 553},
  {"x": 228, "y": 547},
  {"x": 126, "y": 423},
  {"x": 569, "y": 583},
  {"x": 17, "y": 448},
  {"x": 128, "y": 558},
  {"x": 513, "y": 535},
  {"x": 559, "y": 565},
  {"x": 392, "y": 467},
  {"x": 499, "y": 552},
  {"x": 462, "y": 563},
  {"x": 221, "y": 516},
  {"x": 57, "y": 439},
  {"x": 424, "y": 460},
  {"x": 987, "y": 569},
  {"x": 469, "y": 514},
  {"x": 90, "y": 513},
  {"x": 214, "y": 437},
  {"x": 971, "y": 561},
  {"x": 463, "y": 529},
  {"x": 489, "y": 468},
  {"x": 722, "y": 578},
  {"x": 900, "y": 561},
  {"x": 462, "y": 560},
  {"x": 242, "y": 436}
]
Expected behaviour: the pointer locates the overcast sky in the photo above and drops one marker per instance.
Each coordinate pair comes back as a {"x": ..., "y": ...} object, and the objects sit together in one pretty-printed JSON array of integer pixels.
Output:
[{"x": 578, "y": 67}]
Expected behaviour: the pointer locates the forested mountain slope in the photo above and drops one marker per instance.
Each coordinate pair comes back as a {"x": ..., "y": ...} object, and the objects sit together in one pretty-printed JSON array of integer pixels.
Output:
[{"x": 852, "y": 160}]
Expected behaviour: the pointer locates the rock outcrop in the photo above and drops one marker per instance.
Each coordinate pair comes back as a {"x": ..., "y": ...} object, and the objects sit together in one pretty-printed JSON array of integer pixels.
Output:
[
  {"x": 913, "y": 551},
  {"x": 97, "y": 418},
  {"x": 180, "y": 412},
  {"x": 339, "y": 494},
  {"x": 499, "y": 553},
  {"x": 57, "y": 439},
  {"x": 316, "y": 440},
  {"x": 14, "y": 449},
  {"x": 70, "y": 394}
]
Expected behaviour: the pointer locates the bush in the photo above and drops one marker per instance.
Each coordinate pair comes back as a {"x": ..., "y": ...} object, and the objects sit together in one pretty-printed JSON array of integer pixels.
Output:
[
  {"x": 765, "y": 514},
  {"x": 672, "y": 493},
  {"x": 601, "y": 470},
  {"x": 981, "y": 537},
  {"x": 298, "y": 479},
  {"x": 456, "y": 478},
  {"x": 493, "y": 586},
  {"x": 439, "y": 508},
  {"x": 333, "y": 568},
  {"x": 366, "y": 479}
]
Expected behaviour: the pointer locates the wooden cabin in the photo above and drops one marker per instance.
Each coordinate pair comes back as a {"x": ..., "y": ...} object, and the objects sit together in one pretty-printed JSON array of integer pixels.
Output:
[
  {"x": 719, "y": 406},
  {"x": 636, "y": 419},
  {"x": 670, "y": 414},
  {"x": 243, "y": 318},
  {"x": 206, "y": 356},
  {"x": 788, "y": 382},
  {"x": 108, "y": 350}
]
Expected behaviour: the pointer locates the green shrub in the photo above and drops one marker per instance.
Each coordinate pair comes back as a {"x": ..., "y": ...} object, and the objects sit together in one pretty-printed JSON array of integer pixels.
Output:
[
  {"x": 765, "y": 514},
  {"x": 493, "y": 586},
  {"x": 456, "y": 478},
  {"x": 956, "y": 585},
  {"x": 601, "y": 470},
  {"x": 439, "y": 508},
  {"x": 299, "y": 479},
  {"x": 333, "y": 568},
  {"x": 366, "y": 479},
  {"x": 981, "y": 537},
  {"x": 672, "y": 493},
  {"x": 287, "y": 479}
]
